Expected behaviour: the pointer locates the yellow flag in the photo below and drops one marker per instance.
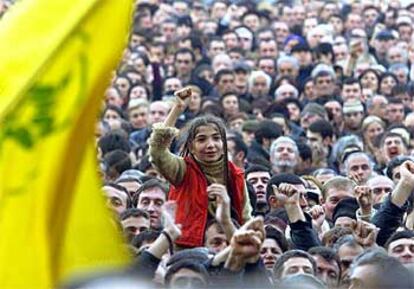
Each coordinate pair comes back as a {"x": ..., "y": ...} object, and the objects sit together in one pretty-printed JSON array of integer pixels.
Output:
[{"x": 56, "y": 60}]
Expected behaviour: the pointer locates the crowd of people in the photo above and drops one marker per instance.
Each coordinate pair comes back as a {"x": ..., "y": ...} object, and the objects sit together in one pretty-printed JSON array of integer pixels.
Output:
[{"x": 264, "y": 144}]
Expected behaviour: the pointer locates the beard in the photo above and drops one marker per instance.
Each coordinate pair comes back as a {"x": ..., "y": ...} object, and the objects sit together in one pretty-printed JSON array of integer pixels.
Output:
[{"x": 289, "y": 164}]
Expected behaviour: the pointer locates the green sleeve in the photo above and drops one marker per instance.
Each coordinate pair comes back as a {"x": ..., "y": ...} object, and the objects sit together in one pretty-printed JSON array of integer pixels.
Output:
[{"x": 171, "y": 166}]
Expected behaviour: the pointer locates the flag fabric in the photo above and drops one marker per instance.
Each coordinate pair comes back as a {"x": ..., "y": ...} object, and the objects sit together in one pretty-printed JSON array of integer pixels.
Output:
[{"x": 56, "y": 61}]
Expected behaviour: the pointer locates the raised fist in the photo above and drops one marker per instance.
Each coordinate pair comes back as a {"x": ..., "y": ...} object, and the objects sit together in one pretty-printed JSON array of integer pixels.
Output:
[{"x": 365, "y": 197}]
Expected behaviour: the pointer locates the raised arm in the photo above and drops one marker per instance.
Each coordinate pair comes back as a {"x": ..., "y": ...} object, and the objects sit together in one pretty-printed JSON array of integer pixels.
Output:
[{"x": 171, "y": 166}]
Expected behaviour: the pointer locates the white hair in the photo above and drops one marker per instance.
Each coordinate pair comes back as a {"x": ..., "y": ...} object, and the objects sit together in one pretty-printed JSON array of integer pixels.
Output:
[
  {"x": 284, "y": 86},
  {"x": 258, "y": 73},
  {"x": 283, "y": 139},
  {"x": 358, "y": 154},
  {"x": 288, "y": 58}
]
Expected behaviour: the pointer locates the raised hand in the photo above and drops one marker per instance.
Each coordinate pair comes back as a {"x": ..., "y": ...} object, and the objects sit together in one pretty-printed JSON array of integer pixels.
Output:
[
  {"x": 355, "y": 177},
  {"x": 318, "y": 216},
  {"x": 286, "y": 194},
  {"x": 219, "y": 193},
  {"x": 407, "y": 173},
  {"x": 365, "y": 198},
  {"x": 168, "y": 216},
  {"x": 365, "y": 233},
  {"x": 182, "y": 97},
  {"x": 245, "y": 244}
]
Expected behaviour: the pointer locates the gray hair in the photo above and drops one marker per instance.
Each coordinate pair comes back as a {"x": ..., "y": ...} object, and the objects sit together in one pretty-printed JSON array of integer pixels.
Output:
[
  {"x": 258, "y": 73},
  {"x": 397, "y": 66},
  {"x": 290, "y": 59},
  {"x": 279, "y": 90},
  {"x": 358, "y": 154},
  {"x": 283, "y": 139}
]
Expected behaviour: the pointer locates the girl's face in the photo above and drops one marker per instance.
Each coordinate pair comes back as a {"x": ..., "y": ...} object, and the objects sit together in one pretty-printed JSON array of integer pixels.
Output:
[
  {"x": 369, "y": 80},
  {"x": 138, "y": 92},
  {"x": 373, "y": 130},
  {"x": 113, "y": 118},
  {"x": 387, "y": 84},
  {"x": 207, "y": 145},
  {"x": 195, "y": 102}
]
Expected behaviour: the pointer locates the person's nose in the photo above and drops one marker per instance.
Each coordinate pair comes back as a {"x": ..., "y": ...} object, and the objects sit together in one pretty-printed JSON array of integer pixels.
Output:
[{"x": 151, "y": 207}]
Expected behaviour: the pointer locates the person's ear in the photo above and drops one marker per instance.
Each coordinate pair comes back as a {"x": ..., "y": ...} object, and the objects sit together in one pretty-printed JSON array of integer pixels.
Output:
[
  {"x": 240, "y": 155},
  {"x": 327, "y": 141},
  {"x": 272, "y": 201}
]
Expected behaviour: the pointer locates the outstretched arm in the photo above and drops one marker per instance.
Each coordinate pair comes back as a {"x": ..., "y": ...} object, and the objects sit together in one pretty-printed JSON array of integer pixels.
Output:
[{"x": 170, "y": 166}]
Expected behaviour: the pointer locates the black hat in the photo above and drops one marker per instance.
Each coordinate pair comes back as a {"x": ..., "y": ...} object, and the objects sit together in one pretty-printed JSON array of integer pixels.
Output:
[
  {"x": 345, "y": 208},
  {"x": 385, "y": 35},
  {"x": 300, "y": 47}
]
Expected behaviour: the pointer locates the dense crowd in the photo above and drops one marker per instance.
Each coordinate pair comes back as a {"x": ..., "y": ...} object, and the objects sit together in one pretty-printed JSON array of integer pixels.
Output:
[{"x": 264, "y": 144}]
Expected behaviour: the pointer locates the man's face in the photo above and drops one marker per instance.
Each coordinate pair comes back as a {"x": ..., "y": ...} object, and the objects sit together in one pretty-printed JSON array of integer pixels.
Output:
[
  {"x": 341, "y": 52},
  {"x": 157, "y": 112},
  {"x": 172, "y": 84},
  {"x": 335, "y": 108},
  {"x": 269, "y": 253},
  {"x": 133, "y": 226},
  {"x": 151, "y": 200},
  {"x": 284, "y": 156},
  {"x": 364, "y": 276},
  {"x": 168, "y": 31},
  {"x": 259, "y": 182},
  {"x": 344, "y": 222},
  {"x": 347, "y": 254},
  {"x": 268, "y": 49},
  {"x": 403, "y": 250},
  {"x": 297, "y": 265},
  {"x": 354, "y": 21},
  {"x": 215, "y": 239},
  {"x": 287, "y": 69},
  {"x": 252, "y": 21},
  {"x": 138, "y": 117},
  {"x": 259, "y": 87},
  {"x": 309, "y": 24},
  {"x": 405, "y": 32},
  {"x": 379, "y": 108},
  {"x": 333, "y": 196},
  {"x": 304, "y": 57},
  {"x": 370, "y": 17},
  {"x": 216, "y": 47},
  {"x": 187, "y": 278},
  {"x": 282, "y": 31},
  {"x": 240, "y": 83},
  {"x": 184, "y": 64},
  {"x": 353, "y": 120},
  {"x": 328, "y": 272},
  {"x": 116, "y": 199},
  {"x": 380, "y": 187},
  {"x": 230, "y": 104},
  {"x": 231, "y": 40},
  {"x": 225, "y": 83},
  {"x": 314, "y": 139},
  {"x": 393, "y": 146},
  {"x": 395, "y": 56},
  {"x": 351, "y": 92},
  {"x": 395, "y": 113},
  {"x": 360, "y": 166},
  {"x": 324, "y": 85},
  {"x": 268, "y": 66}
]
